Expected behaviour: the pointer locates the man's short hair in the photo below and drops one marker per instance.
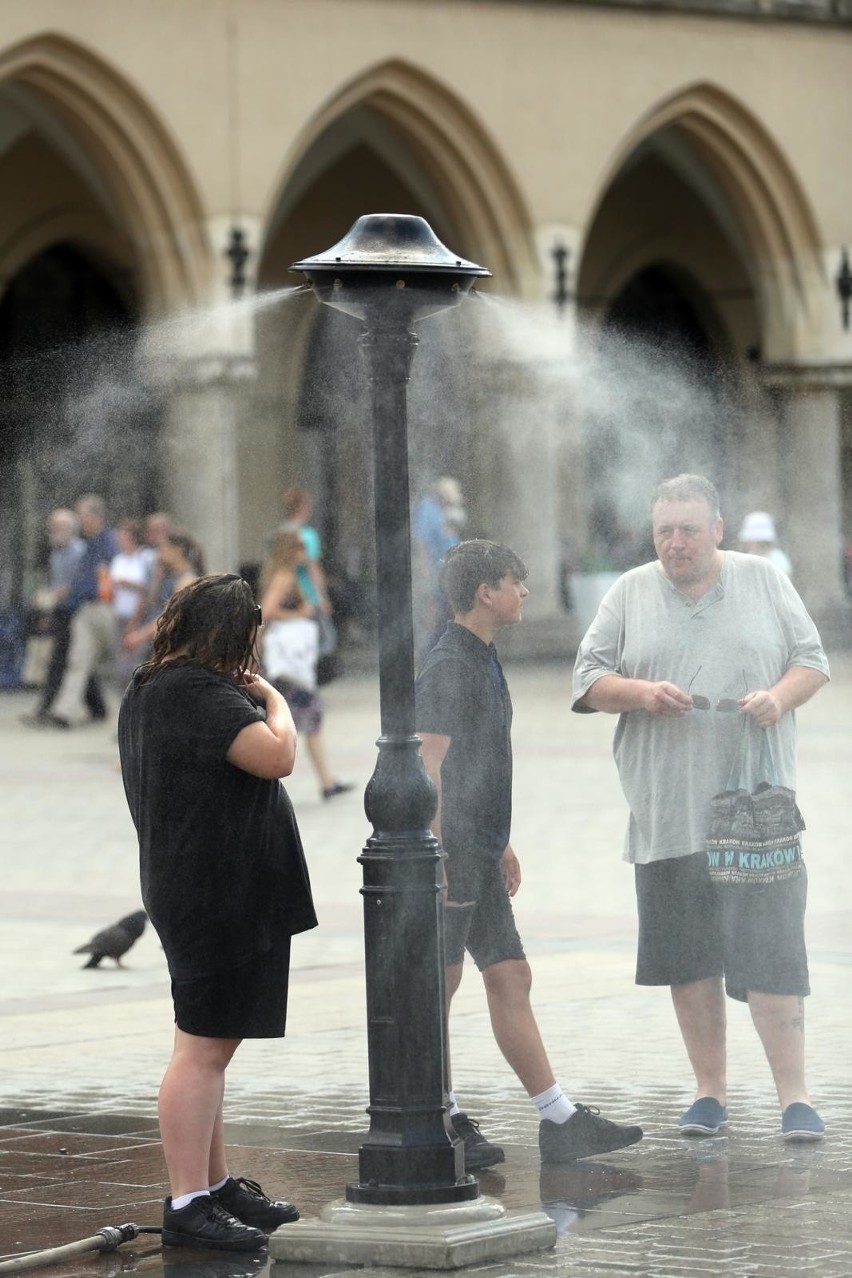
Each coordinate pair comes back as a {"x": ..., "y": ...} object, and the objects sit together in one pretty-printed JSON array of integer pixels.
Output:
[
  {"x": 68, "y": 518},
  {"x": 92, "y": 503},
  {"x": 688, "y": 488},
  {"x": 472, "y": 564}
]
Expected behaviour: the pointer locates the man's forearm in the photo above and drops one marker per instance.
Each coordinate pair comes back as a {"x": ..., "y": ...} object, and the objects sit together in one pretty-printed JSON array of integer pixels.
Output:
[
  {"x": 613, "y": 694},
  {"x": 796, "y": 686}
]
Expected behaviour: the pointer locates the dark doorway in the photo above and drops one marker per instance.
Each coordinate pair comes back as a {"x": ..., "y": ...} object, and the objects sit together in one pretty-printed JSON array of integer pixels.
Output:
[
  {"x": 659, "y": 412},
  {"x": 73, "y": 417}
]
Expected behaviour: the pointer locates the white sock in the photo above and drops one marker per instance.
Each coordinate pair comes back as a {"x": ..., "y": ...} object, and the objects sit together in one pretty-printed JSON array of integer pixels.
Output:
[
  {"x": 183, "y": 1200},
  {"x": 220, "y": 1184},
  {"x": 554, "y": 1105},
  {"x": 454, "y": 1105}
]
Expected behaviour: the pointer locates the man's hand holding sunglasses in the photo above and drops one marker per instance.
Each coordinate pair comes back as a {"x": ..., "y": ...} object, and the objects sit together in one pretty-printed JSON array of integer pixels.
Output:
[{"x": 762, "y": 707}]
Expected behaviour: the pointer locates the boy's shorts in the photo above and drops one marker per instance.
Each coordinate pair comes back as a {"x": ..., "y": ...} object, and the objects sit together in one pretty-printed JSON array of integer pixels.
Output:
[
  {"x": 690, "y": 930},
  {"x": 478, "y": 917}
]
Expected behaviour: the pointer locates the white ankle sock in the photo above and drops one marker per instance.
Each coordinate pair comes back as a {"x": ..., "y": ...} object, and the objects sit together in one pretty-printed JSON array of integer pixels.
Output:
[
  {"x": 554, "y": 1105},
  {"x": 220, "y": 1184},
  {"x": 454, "y": 1105},
  {"x": 183, "y": 1200}
]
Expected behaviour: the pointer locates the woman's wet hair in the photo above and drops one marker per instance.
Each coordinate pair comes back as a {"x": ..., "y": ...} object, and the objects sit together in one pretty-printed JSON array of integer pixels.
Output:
[
  {"x": 212, "y": 623},
  {"x": 471, "y": 564}
]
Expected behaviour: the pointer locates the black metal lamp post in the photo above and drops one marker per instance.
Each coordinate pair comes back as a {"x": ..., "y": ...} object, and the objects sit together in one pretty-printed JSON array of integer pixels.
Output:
[
  {"x": 561, "y": 294},
  {"x": 238, "y": 254},
  {"x": 390, "y": 271},
  {"x": 843, "y": 284}
]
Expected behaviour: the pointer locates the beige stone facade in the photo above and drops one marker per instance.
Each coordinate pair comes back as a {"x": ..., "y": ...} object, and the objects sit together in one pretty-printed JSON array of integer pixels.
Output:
[{"x": 693, "y": 159}]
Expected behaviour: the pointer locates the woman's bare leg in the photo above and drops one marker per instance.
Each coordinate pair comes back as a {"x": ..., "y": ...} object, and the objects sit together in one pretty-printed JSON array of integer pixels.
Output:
[{"x": 190, "y": 1110}]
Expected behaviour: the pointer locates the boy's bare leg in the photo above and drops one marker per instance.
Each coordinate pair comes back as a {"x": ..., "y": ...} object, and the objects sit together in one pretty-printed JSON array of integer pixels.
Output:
[{"x": 507, "y": 987}]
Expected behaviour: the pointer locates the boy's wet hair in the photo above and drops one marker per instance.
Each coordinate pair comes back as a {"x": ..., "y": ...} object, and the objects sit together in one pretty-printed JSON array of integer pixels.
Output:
[
  {"x": 212, "y": 623},
  {"x": 471, "y": 564}
]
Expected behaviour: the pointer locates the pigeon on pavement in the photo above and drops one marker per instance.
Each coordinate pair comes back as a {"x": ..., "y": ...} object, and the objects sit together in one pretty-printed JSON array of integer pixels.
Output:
[{"x": 114, "y": 941}]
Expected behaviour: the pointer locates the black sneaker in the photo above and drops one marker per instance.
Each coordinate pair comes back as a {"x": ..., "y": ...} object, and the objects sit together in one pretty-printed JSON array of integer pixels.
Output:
[
  {"x": 585, "y": 1134},
  {"x": 478, "y": 1152},
  {"x": 205, "y": 1223},
  {"x": 339, "y": 787},
  {"x": 246, "y": 1200}
]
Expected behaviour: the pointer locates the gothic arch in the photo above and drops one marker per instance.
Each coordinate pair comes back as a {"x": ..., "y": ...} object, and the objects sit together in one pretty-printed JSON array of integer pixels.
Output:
[
  {"x": 480, "y": 193},
  {"x": 156, "y": 205},
  {"x": 769, "y": 216}
]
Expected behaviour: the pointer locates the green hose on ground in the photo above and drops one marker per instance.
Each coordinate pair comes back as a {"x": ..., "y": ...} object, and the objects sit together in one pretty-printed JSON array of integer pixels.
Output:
[{"x": 106, "y": 1239}]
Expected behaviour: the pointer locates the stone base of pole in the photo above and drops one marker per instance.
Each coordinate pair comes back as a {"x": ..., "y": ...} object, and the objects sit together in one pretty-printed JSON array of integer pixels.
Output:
[{"x": 439, "y": 1237}]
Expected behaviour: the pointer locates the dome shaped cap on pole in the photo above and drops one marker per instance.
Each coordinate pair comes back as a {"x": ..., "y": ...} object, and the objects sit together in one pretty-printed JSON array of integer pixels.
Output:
[{"x": 398, "y": 242}]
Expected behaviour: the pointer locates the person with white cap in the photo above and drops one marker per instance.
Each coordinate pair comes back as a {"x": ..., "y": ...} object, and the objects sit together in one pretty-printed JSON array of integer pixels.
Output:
[
  {"x": 436, "y": 526},
  {"x": 757, "y": 536}
]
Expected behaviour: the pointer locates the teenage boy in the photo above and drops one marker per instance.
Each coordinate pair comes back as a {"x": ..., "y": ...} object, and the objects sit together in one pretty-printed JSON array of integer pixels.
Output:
[{"x": 464, "y": 718}]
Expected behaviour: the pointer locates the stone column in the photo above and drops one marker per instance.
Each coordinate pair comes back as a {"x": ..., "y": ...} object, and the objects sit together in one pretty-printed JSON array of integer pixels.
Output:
[
  {"x": 201, "y": 456},
  {"x": 812, "y": 487},
  {"x": 519, "y": 500}
]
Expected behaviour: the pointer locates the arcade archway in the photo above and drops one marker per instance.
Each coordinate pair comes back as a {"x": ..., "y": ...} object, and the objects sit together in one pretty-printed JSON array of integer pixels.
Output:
[{"x": 392, "y": 141}]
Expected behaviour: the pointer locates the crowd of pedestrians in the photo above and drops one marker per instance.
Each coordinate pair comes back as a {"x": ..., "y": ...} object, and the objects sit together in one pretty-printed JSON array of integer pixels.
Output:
[{"x": 107, "y": 586}]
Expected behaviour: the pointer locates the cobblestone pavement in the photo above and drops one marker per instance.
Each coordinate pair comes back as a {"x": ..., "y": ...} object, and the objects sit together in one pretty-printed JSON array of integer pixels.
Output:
[{"x": 82, "y": 1051}]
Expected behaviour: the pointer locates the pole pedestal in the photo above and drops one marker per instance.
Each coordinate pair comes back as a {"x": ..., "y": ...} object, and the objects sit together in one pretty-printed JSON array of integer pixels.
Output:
[{"x": 410, "y": 1237}]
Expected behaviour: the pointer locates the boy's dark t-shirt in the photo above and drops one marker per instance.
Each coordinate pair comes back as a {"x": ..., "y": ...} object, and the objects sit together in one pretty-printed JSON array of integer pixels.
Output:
[
  {"x": 461, "y": 693},
  {"x": 222, "y": 867}
]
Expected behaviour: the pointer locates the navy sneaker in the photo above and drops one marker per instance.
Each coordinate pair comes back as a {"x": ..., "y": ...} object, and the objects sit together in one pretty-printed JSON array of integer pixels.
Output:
[
  {"x": 705, "y": 1117},
  {"x": 800, "y": 1123},
  {"x": 246, "y": 1200}
]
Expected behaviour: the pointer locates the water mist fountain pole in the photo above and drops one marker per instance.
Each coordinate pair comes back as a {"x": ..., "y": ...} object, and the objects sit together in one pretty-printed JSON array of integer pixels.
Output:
[
  {"x": 412, "y": 1204},
  {"x": 389, "y": 271}
]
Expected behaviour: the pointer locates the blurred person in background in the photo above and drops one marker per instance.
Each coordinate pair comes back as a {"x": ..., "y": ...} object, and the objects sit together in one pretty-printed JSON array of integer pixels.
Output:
[
  {"x": 89, "y": 602},
  {"x": 66, "y": 550},
  {"x": 291, "y": 648},
  {"x": 129, "y": 573},
  {"x": 757, "y": 536},
  {"x": 179, "y": 561},
  {"x": 158, "y": 590},
  {"x": 298, "y": 510},
  {"x": 437, "y": 524}
]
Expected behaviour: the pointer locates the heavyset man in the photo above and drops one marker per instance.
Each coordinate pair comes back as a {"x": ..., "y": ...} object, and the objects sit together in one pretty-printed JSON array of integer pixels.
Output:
[{"x": 690, "y": 651}]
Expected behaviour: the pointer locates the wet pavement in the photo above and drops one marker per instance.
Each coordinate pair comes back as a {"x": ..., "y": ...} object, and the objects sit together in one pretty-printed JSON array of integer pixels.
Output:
[{"x": 82, "y": 1051}]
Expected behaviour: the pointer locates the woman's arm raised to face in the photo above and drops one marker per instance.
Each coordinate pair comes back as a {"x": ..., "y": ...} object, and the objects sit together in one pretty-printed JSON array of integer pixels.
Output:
[{"x": 267, "y": 749}]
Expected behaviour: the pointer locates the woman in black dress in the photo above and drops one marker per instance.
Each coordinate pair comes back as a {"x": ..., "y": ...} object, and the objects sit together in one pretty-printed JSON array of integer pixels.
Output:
[{"x": 204, "y": 741}]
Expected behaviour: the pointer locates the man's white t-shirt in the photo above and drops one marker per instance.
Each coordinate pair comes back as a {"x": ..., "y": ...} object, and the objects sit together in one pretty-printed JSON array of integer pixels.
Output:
[{"x": 742, "y": 636}]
